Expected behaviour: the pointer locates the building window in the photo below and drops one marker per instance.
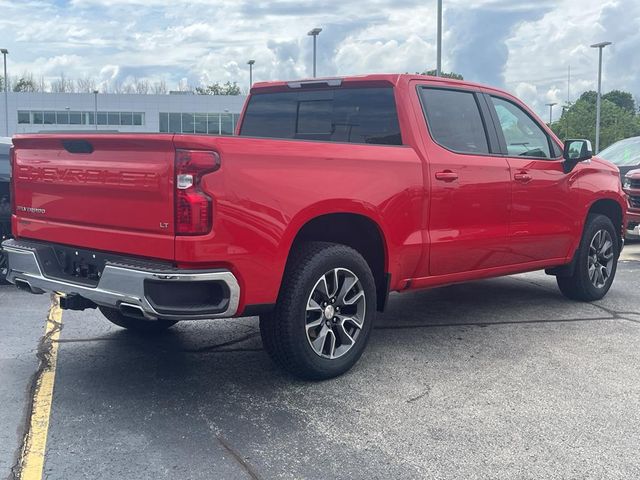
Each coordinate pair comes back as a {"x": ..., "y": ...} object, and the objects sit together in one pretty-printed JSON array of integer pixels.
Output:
[
  {"x": 113, "y": 118},
  {"x": 62, "y": 118},
  {"x": 213, "y": 124},
  {"x": 80, "y": 118},
  {"x": 75, "y": 118},
  {"x": 226, "y": 124},
  {"x": 187, "y": 123},
  {"x": 175, "y": 123},
  {"x": 23, "y": 117},
  {"x": 202, "y": 123},
  {"x": 164, "y": 122}
]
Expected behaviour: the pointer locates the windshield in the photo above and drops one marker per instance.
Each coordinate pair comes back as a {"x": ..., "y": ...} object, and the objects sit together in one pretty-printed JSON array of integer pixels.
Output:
[{"x": 623, "y": 153}]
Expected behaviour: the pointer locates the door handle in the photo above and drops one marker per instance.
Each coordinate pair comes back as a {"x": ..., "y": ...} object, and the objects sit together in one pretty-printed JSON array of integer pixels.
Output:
[
  {"x": 522, "y": 177},
  {"x": 446, "y": 176}
]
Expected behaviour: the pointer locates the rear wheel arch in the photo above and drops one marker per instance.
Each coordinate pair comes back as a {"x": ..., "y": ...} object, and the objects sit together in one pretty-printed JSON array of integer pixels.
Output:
[{"x": 354, "y": 230}]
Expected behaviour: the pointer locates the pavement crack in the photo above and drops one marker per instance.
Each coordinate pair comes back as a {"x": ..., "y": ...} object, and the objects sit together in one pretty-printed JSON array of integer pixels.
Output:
[
  {"x": 229, "y": 343},
  {"x": 507, "y": 322},
  {"x": 43, "y": 353},
  {"x": 617, "y": 314},
  {"x": 238, "y": 458},
  {"x": 80, "y": 340},
  {"x": 426, "y": 392}
]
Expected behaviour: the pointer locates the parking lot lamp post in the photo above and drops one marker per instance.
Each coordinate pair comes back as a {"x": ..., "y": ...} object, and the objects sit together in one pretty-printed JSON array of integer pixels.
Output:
[
  {"x": 600, "y": 46},
  {"x": 550, "y": 105},
  {"x": 251, "y": 63},
  {"x": 314, "y": 33},
  {"x": 4, "y": 52},
  {"x": 439, "y": 41},
  {"x": 95, "y": 108}
]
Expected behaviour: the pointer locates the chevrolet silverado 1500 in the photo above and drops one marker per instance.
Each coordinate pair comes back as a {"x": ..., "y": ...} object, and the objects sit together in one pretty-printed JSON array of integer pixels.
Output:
[{"x": 333, "y": 193}]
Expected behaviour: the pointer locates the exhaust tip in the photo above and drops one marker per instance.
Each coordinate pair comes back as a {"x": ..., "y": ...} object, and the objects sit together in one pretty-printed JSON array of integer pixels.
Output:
[
  {"x": 130, "y": 310},
  {"x": 26, "y": 286}
]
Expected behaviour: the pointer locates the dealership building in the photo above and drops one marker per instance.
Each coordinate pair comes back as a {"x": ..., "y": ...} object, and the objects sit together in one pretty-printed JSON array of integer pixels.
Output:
[{"x": 177, "y": 112}]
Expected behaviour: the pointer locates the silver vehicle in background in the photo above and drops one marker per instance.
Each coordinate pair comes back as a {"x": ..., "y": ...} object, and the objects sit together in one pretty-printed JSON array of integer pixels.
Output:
[{"x": 625, "y": 154}]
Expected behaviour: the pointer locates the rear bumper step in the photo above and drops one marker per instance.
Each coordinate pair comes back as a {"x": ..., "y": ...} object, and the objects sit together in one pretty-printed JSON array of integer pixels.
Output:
[{"x": 161, "y": 293}]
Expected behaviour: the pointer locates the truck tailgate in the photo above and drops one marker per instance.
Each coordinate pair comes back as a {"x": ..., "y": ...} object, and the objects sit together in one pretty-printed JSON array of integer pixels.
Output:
[{"x": 111, "y": 192}]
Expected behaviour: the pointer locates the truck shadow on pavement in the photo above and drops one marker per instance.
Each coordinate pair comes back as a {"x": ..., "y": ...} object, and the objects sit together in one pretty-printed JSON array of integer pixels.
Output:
[{"x": 204, "y": 396}]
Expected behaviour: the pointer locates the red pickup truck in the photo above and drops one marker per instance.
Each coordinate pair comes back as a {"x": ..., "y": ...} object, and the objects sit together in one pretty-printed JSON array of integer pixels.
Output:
[{"x": 334, "y": 193}]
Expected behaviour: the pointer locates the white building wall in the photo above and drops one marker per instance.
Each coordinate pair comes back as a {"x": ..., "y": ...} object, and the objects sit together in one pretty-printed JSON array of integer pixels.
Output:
[{"x": 150, "y": 105}]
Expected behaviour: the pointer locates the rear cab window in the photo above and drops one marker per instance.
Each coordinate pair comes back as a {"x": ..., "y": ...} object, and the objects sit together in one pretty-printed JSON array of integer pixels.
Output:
[{"x": 348, "y": 115}]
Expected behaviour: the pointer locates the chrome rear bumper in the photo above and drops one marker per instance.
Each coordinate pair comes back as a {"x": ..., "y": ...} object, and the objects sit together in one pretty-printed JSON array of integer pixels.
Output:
[{"x": 121, "y": 287}]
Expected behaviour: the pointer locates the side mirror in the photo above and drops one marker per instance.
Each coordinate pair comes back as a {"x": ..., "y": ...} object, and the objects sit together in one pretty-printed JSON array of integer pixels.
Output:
[{"x": 576, "y": 151}]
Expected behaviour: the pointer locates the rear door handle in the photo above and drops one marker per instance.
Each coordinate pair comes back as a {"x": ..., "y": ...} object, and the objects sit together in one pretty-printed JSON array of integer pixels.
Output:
[
  {"x": 522, "y": 177},
  {"x": 446, "y": 176}
]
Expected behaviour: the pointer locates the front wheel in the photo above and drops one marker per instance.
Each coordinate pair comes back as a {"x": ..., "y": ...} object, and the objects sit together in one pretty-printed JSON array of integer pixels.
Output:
[
  {"x": 596, "y": 261},
  {"x": 135, "y": 324},
  {"x": 324, "y": 314}
]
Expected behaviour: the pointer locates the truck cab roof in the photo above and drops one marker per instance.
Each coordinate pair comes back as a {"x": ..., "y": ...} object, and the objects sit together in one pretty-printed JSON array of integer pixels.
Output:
[{"x": 394, "y": 79}]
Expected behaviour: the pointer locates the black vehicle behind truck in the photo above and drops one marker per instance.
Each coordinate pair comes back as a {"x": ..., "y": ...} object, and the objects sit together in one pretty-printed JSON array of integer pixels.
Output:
[{"x": 5, "y": 200}]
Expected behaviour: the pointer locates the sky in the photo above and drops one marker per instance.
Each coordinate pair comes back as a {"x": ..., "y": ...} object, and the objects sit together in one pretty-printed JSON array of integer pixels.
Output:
[{"x": 523, "y": 46}]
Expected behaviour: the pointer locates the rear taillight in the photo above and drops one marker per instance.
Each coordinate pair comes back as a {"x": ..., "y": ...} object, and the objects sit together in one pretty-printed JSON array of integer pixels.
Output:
[
  {"x": 12, "y": 186},
  {"x": 194, "y": 211}
]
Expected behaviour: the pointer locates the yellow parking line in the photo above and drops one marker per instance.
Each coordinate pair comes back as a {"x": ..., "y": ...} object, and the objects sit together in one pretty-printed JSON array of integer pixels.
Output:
[{"x": 32, "y": 459}]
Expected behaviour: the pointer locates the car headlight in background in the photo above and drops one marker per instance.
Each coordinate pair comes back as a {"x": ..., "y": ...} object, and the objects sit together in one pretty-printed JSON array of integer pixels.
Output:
[{"x": 627, "y": 183}]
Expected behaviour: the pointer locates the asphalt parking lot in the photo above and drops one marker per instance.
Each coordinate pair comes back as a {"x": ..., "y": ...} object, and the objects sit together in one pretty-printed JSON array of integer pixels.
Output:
[{"x": 502, "y": 378}]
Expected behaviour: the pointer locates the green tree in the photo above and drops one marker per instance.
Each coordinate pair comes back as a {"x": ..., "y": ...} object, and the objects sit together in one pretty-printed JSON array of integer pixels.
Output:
[
  {"x": 25, "y": 84},
  {"x": 432, "y": 73},
  {"x": 622, "y": 99},
  {"x": 227, "y": 88},
  {"x": 616, "y": 122}
]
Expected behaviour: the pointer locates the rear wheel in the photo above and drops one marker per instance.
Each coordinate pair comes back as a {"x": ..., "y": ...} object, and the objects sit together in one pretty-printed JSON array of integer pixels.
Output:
[
  {"x": 596, "y": 261},
  {"x": 135, "y": 324},
  {"x": 324, "y": 314}
]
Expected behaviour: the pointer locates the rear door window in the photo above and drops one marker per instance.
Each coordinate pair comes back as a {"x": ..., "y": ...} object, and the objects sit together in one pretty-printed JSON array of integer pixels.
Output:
[
  {"x": 454, "y": 120},
  {"x": 349, "y": 115}
]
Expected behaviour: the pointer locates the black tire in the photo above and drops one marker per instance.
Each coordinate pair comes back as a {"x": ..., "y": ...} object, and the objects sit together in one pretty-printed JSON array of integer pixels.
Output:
[
  {"x": 135, "y": 324},
  {"x": 580, "y": 286},
  {"x": 284, "y": 331}
]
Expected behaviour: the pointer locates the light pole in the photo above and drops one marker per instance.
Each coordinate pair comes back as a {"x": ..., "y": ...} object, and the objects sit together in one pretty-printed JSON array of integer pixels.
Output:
[
  {"x": 251, "y": 63},
  {"x": 95, "y": 108},
  {"x": 439, "y": 41},
  {"x": 314, "y": 33},
  {"x": 550, "y": 105},
  {"x": 599, "y": 46},
  {"x": 4, "y": 52}
]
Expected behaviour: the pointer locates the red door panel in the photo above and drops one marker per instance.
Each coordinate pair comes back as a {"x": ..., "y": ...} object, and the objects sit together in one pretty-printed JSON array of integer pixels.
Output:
[
  {"x": 543, "y": 215},
  {"x": 469, "y": 215}
]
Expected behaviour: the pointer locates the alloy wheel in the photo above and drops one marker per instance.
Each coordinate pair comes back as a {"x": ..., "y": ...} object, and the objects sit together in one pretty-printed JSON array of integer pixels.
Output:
[
  {"x": 335, "y": 313},
  {"x": 600, "y": 259}
]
